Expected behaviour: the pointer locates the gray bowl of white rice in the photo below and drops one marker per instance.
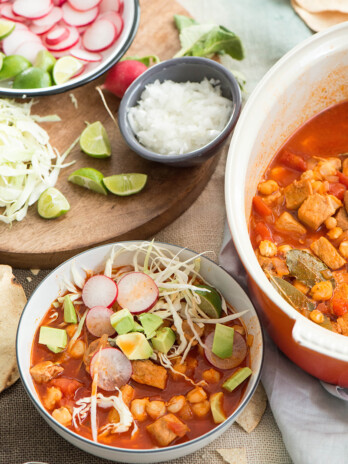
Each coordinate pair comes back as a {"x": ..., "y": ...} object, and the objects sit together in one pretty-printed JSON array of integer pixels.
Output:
[{"x": 180, "y": 112}]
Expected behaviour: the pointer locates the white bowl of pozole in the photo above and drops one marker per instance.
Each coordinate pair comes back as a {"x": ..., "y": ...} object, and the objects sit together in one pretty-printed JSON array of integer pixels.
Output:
[{"x": 139, "y": 352}]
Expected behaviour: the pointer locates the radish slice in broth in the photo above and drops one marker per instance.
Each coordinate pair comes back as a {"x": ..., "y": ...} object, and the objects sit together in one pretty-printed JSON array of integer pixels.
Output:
[
  {"x": 137, "y": 292},
  {"x": 113, "y": 367},
  {"x": 99, "y": 290},
  {"x": 98, "y": 321}
]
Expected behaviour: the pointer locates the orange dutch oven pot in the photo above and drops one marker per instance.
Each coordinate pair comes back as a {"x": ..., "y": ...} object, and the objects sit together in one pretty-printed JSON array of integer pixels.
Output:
[{"x": 304, "y": 82}]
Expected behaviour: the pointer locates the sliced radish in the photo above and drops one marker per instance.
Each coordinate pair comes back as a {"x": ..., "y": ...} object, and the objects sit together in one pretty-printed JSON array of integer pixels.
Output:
[
  {"x": 69, "y": 42},
  {"x": 29, "y": 50},
  {"x": 116, "y": 20},
  {"x": 238, "y": 355},
  {"x": 53, "y": 17},
  {"x": 7, "y": 13},
  {"x": 99, "y": 36},
  {"x": 16, "y": 39},
  {"x": 99, "y": 290},
  {"x": 40, "y": 30},
  {"x": 83, "y": 5},
  {"x": 83, "y": 55},
  {"x": 59, "y": 2},
  {"x": 98, "y": 321},
  {"x": 78, "y": 18},
  {"x": 137, "y": 292},
  {"x": 113, "y": 367},
  {"x": 57, "y": 35},
  {"x": 32, "y": 9},
  {"x": 109, "y": 5}
]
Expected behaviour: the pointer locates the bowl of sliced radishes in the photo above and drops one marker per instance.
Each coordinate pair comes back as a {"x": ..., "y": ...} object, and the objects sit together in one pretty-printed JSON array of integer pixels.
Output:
[{"x": 51, "y": 46}]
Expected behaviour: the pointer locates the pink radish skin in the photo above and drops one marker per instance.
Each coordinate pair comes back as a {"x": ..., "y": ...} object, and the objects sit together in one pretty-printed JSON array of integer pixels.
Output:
[
  {"x": 59, "y": 2},
  {"x": 116, "y": 20},
  {"x": 239, "y": 352},
  {"x": 99, "y": 36},
  {"x": 57, "y": 35},
  {"x": 120, "y": 76},
  {"x": 29, "y": 50},
  {"x": 7, "y": 13},
  {"x": 83, "y": 55},
  {"x": 109, "y": 5},
  {"x": 83, "y": 5},
  {"x": 114, "y": 368},
  {"x": 32, "y": 9},
  {"x": 69, "y": 42},
  {"x": 137, "y": 292},
  {"x": 99, "y": 290},
  {"x": 98, "y": 321},
  {"x": 53, "y": 17},
  {"x": 78, "y": 18},
  {"x": 41, "y": 30},
  {"x": 11, "y": 43}
]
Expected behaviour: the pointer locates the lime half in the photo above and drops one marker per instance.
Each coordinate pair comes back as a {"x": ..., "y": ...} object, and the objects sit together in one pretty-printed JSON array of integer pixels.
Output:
[
  {"x": 52, "y": 204},
  {"x": 94, "y": 141},
  {"x": 210, "y": 302},
  {"x": 66, "y": 68},
  {"x": 13, "y": 65},
  {"x": 125, "y": 184},
  {"x": 89, "y": 178},
  {"x": 6, "y": 27},
  {"x": 45, "y": 60},
  {"x": 32, "y": 78}
]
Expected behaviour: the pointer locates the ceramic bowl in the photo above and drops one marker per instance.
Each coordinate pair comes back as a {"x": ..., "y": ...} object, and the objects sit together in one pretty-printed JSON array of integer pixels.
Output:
[
  {"x": 183, "y": 69},
  {"x": 48, "y": 290},
  {"x": 131, "y": 16},
  {"x": 307, "y": 80}
]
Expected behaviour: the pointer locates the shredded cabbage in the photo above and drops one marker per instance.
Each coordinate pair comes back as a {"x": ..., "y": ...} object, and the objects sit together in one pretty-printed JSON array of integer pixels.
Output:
[{"x": 28, "y": 163}]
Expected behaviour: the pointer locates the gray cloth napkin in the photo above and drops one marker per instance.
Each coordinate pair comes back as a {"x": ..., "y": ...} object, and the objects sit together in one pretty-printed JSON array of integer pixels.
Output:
[{"x": 313, "y": 423}]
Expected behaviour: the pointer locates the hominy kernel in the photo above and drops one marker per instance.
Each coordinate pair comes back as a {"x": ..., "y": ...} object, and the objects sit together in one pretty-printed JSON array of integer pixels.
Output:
[
  {"x": 322, "y": 291},
  {"x": 343, "y": 249},
  {"x": 268, "y": 187},
  {"x": 316, "y": 316},
  {"x": 331, "y": 223},
  {"x": 267, "y": 248},
  {"x": 334, "y": 233},
  {"x": 284, "y": 249},
  {"x": 301, "y": 286}
]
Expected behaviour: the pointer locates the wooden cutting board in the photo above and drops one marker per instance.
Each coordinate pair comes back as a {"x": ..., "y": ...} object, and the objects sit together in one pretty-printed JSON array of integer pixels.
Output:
[{"x": 93, "y": 218}]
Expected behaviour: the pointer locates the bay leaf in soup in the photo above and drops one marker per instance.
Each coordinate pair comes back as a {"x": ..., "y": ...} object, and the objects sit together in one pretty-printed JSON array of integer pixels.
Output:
[
  {"x": 326, "y": 324},
  {"x": 307, "y": 268},
  {"x": 290, "y": 293}
]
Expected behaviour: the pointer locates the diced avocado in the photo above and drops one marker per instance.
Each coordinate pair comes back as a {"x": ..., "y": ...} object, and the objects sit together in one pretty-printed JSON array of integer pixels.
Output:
[
  {"x": 151, "y": 323},
  {"x": 53, "y": 337},
  {"x": 134, "y": 345},
  {"x": 122, "y": 321},
  {"x": 223, "y": 341},
  {"x": 211, "y": 303},
  {"x": 216, "y": 400},
  {"x": 137, "y": 327},
  {"x": 237, "y": 378},
  {"x": 69, "y": 311},
  {"x": 55, "y": 349},
  {"x": 163, "y": 340}
]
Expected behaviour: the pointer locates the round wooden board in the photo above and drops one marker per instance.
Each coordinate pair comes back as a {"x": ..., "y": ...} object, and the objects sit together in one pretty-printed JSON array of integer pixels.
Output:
[{"x": 93, "y": 218}]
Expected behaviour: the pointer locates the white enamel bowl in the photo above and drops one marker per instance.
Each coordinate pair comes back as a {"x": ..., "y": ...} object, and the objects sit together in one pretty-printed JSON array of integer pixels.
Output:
[
  {"x": 308, "y": 79},
  {"x": 48, "y": 290}
]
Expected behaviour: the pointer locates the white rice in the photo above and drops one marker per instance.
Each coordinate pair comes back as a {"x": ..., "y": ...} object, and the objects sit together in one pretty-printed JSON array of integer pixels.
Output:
[{"x": 175, "y": 118}]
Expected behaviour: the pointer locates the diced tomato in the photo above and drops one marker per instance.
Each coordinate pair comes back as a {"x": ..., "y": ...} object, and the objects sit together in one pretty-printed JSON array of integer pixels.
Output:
[
  {"x": 343, "y": 178},
  {"x": 67, "y": 386},
  {"x": 337, "y": 189},
  {"x": 339, "y": 306},
  {"x": 262, "y": 232},
  {"x": 323, "y": 308},
  {"x": 293, "y": 161},
  {"x": 260, "y": 207}
]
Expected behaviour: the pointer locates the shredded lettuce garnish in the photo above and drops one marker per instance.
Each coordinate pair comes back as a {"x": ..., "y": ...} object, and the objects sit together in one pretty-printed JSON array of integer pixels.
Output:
[{"x": 28, "y": 163}]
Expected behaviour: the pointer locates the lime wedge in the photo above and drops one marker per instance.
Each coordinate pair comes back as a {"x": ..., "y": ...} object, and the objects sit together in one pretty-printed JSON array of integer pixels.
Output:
[
  {"x": 125, "y": 184},
  {"x": 32, "y": 78},
  {"x": 13, "y": 65},
  {"x": 89, "y": 178},
  {"x": 45, "y": 61},
  {"x": 6, "y": 27},
  {"x": 2, "y": 56},
  {"x": 210, "y": 302},
  {"x": 52, "y": 204},
  {"x": 94, "y": 141},
  {"x": 66, "y": 68}
]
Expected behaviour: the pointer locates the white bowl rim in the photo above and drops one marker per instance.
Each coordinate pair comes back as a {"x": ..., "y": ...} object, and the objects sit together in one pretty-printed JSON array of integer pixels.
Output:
[
  {"x": 82, "y": 439},
  {"x": 304, "y": 327}
]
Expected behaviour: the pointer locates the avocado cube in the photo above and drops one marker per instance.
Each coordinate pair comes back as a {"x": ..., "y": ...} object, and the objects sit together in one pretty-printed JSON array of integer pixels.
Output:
[
  {"x": 216, "y": 406},
  {"x": 55, "y": 349},
  {"x": 151, "y": 323},
  {"x": 137, "y": 327},
  {"x": 163, "y": 340},
  {"x": 53, "y": 337},
  {"x": 223, "y": 341},
  {"x": 134, "y": 345},
  {"x": 69, "y": 311},
  {"x": 237, "y": 378},
  {"x": 122, "y": 321}
]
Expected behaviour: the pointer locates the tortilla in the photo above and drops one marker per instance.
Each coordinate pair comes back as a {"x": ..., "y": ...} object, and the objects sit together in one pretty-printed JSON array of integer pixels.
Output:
[
  {"x": 12, "y": 302},
  {"x": 252, "y": 414},
  {"x": 319, "y": 21},
  {"x": 316, "y": 6},
  {"x": 233, "y": 455}
]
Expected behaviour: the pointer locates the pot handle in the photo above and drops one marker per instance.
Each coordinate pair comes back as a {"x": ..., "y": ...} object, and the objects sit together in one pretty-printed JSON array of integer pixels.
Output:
[
  {"x": 335, "y": 390},
  {"x": 310, "y": 335}
]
